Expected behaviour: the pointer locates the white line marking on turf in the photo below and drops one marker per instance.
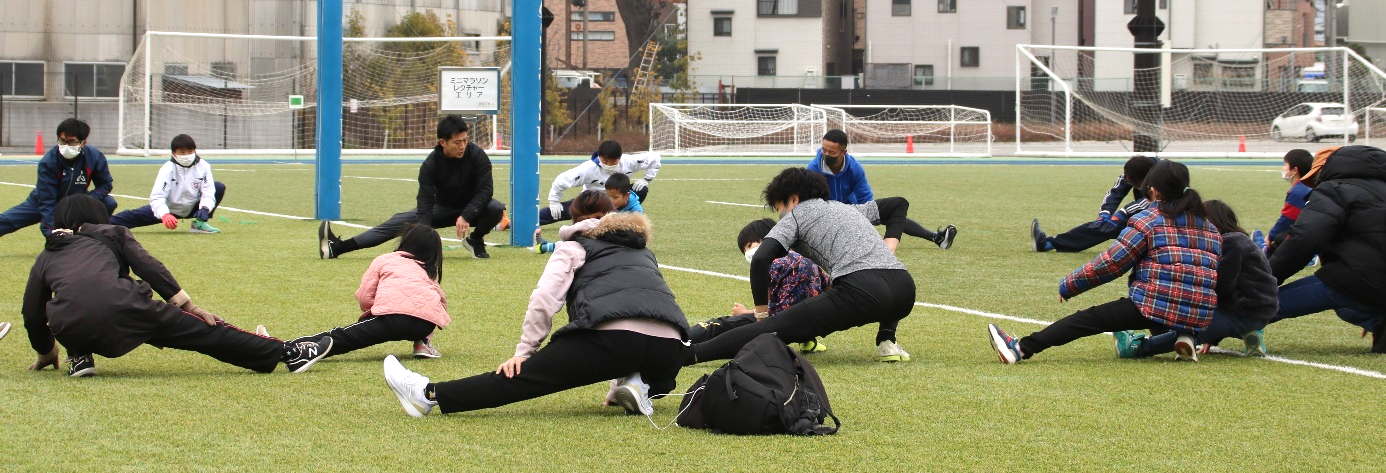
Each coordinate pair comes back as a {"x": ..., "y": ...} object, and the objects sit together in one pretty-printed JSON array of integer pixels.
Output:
[
  {"x": 384, "y": 178},
  {"x": 732, "y": 203},
  {"x": 1345, "y": 369}
]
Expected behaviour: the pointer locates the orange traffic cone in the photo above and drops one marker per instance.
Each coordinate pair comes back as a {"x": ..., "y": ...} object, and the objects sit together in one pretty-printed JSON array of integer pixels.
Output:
[
  {"x": 499, "y": 143},
  {"x": 909, "y": 144},
  {"x": 38, "y": 144},
  {"x": 1241, "y": 143}
]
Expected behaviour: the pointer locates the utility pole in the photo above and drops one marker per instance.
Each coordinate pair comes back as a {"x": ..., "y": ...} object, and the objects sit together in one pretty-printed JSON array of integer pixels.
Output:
[
  {"x": 1330, "y": 39},
  {"x": 586, "y": 34},
  {"x": 1145, "y": 103}
]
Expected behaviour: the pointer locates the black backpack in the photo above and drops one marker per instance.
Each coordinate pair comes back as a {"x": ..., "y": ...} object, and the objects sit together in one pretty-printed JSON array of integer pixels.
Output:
[{"x": 767, "y": 389}]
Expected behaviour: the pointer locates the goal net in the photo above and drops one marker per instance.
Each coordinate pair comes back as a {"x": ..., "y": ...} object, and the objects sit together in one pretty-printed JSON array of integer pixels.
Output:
[
  {"x": 232, "y": 93},
  {"x": 903, "y": 130},
  {"x": 1374, "y": 125},
  {"x": 735, "y": 130},
  {"x": 1081, "y": 101}
]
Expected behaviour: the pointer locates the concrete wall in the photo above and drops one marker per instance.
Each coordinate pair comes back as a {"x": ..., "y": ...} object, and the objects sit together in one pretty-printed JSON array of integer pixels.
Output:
[
  {"x": 797, "y": 42},
  {"x": 24, "y": 120}
]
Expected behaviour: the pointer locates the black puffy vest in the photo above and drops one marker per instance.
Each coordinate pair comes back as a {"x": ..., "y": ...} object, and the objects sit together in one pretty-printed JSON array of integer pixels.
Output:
[{"x": 620, "y": 280}]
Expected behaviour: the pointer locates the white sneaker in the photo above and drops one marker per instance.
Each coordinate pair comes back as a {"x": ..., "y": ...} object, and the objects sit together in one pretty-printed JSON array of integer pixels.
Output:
[
  {"x": 408, "y": 387},
  {"x": 4, "y": 329},
  {"x": 1185, "y": 349},
  {"x": 633, "y": 395},
  {"x": 888, "y": 351}
]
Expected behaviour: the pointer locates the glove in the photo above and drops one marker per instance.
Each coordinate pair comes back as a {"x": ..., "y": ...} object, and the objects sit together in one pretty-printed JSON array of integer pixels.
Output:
[
  {"x": 1104, "y": 215},
  {"x": 1108, "y": 225},
  {"x": 203, "y": 214},
  {"x": 556, "y": 210},
  {"x": 170, "y": 222},
  {"x": 639, "y": 184}
]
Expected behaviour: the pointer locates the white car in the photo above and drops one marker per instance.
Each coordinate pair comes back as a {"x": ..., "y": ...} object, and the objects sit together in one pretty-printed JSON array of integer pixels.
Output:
[{"x": 1314, "y": 120}]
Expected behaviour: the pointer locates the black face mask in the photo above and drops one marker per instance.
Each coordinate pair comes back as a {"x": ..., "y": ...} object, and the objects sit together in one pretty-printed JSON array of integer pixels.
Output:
[{"x": 830, "y": 160}]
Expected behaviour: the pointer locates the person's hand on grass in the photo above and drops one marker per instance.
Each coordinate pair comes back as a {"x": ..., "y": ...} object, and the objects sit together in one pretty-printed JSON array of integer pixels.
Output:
[{"x": 50, "y": 358}]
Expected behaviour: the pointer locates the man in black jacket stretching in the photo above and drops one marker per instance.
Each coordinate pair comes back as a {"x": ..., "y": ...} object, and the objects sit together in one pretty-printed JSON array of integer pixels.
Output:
[{"x": 454, "y": 190}]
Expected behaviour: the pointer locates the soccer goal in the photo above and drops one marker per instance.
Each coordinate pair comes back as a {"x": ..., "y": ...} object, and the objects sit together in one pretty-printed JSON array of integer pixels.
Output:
[
  {"x": 1079, "y": 101},
  {"x": 1373, "y": 124},
  {"x": 736, "y": 130},
  {"x": 248, "y": 94},
  {"x": 910, "y": 130}
]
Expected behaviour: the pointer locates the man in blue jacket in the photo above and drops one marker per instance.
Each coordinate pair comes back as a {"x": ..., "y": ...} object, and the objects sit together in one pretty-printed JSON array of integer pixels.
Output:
[
  {"x": 67, "y": 169},
  {"x": 847, "y": 184}
]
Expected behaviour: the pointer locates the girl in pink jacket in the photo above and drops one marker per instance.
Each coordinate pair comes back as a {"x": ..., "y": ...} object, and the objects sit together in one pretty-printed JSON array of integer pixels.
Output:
[{"x": 400, "y": 298}]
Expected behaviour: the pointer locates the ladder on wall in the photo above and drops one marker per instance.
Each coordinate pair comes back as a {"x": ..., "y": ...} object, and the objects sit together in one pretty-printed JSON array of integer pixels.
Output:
[{"x": 646, "y": 70}]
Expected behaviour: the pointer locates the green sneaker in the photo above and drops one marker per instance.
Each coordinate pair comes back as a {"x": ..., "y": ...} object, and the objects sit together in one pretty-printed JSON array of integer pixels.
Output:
[
  {"x": 813, "y": 346},
  {"x": 1255, "y": 343},
  {"x": 199, "y": 226},
  {"x": 1128, "y": 343}
]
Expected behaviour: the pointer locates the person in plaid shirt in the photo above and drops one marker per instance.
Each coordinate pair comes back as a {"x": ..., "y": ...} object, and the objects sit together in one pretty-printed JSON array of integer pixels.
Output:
[
  {"x": 1172, "y": 251},
  {"x": 793, "y": 278}
]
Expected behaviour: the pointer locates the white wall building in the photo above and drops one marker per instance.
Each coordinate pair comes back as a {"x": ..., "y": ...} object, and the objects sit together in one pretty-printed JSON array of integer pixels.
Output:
[{"x": 767, "y": 43}]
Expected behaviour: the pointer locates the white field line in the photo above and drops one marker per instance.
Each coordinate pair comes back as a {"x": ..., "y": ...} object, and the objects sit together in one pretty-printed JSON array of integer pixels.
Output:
[
  {"x": 1311, "y": 364},
  {"x": 1201, "y": 168},
  {"x": 732, "y": 203},
  {"x": 383, "y": 178}
]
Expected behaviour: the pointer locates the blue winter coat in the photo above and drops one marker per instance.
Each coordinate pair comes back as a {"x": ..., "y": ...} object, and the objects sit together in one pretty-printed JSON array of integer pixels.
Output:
[{"x": 848, "y": 186}]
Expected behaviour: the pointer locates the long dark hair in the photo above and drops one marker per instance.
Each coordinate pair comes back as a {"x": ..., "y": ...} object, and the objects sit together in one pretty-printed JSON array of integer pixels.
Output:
[
  {"x": 795, "y": 181},
  {"x": 1176, "y": 197},
  {"x": 1221, "y": 215},
  {"x": 80, "y": 209},
  {"x": 423, "y": 243},
  {"x": 591, "y": 204}
]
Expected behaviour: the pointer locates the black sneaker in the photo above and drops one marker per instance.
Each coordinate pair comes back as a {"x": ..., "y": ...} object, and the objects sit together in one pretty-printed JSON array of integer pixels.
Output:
[
  {"x": 308, "y": 354},
  {"x": 478, "y": 247},
  {"x": 1037, "y": 237},
  {"x": 944, "y": 237},
  {"x": 326, "y": 239},
  {"x": 81, "y": 366}
]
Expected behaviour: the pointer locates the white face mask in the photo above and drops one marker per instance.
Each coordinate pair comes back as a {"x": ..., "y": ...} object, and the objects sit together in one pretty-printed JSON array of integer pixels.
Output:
[
  {"x": 611, "y": 169},
  {"x": 751, "y": 253},
  {"x": 1288, "y": 176},
  {"x": 69, "y": 152},
  {"x": 185, "y": 160}
]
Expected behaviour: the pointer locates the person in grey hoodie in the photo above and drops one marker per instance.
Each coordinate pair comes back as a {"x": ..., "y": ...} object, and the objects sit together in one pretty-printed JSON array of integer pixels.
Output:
[{"x": 1246, "y": 295}]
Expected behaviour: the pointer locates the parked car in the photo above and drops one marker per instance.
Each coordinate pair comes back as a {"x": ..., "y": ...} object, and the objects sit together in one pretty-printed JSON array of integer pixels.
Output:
[{"x": 1314, "y": 120}]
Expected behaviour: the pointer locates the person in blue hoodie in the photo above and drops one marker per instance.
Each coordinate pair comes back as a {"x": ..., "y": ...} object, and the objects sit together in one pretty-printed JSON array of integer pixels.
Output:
[
  {"x": 847, "y": 184},
  {"x": 70, "y": 168}
]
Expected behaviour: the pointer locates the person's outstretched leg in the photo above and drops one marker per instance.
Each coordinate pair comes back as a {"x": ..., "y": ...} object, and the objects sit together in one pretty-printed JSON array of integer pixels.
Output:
[
  {"x": 222, "y": 341},
  {"x": 1223, "y": 325},
  {"x": 22, "y": 215},
  {"x": 914, "y": 229},
  {"x": 135, "y": 218},
  {"x": 1120, "y": 314},
  {"x": 374, "y": 331},
  {"x": 1084, "y": 236},
  {"x": 376, "y": 235},
  {"x": 574, "y": 359}
]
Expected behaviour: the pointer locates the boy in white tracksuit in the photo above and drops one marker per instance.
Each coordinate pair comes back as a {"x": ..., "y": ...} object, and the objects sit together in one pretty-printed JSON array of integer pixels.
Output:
[
  {"x": 591, "y": 175},
  {"x": 180, "y": 191}
]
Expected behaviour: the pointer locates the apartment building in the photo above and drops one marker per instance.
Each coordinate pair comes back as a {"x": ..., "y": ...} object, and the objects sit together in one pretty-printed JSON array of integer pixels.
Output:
[
  {"x": 599, "y": 43},
  {"x": 772, "y": 43}
]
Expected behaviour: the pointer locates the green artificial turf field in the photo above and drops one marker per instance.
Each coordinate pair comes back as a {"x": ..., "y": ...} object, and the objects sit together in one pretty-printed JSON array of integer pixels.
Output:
[{"x": 953, "y": 407}]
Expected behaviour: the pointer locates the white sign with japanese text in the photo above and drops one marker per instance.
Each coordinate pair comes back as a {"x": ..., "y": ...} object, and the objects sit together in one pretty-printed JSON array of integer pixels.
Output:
[{"x": 468, "y": 90}]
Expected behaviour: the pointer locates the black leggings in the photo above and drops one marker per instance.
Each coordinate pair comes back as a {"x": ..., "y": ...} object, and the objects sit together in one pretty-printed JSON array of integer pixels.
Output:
[
  {"x": 376, "y": 330},
  {"x": 872, "y": 295},
  {"x": 1085, "y": 236},
  {"x": 571, "y": 360},
  {"x": 222, "y": 341},
  {"x": 893, "y": 213},
  {"x": 1117, "y": 315}
]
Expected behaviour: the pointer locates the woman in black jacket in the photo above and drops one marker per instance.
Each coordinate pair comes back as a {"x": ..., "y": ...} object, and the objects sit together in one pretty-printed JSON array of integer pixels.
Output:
[
  {"x": 80, "y": 292},
  {"x": 1345, "y": 224}
]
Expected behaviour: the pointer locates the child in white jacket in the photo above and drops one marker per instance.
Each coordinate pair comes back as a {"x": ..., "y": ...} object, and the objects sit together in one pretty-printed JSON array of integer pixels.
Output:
[{"x": 180, "y": 191}]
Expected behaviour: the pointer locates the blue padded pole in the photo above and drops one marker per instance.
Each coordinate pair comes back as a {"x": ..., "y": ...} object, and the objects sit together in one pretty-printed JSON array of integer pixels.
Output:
[
  {"x": 328, "y": 189},
  {"x": 526, "y": 33}
]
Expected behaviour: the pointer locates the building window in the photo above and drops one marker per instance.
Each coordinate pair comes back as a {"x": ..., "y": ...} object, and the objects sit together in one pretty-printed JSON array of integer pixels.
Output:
[
  {"x": 899, "y": 7},
  {"x": 21, "y": 79},
  {"x": 1203, "y": 73},
  {"x": 92, "y": 79},
  {"x": 970, "y": 56},
  {"x": 947, "y": 6},
  {"x": 595, "y": 16},
  {"x": 765, "y": 65},
  {"x": 1015, "y": 18},
  {"x": 777, "y": 7},
  {"x": 721, "y": 26},
  {"x": 594, "y": 36},
  {"x": 924, "y": 74},
  {"x": 1164, "y": 4}
]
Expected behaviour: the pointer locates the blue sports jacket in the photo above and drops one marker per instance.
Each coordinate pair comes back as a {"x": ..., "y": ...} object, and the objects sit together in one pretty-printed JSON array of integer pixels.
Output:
[
  {"x": 848, "y": 186},
  {"x": 58, "y": 178}
]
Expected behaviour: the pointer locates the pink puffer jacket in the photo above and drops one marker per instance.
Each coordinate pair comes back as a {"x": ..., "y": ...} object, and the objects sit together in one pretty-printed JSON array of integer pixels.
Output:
[{"x": 398, "y": 284}]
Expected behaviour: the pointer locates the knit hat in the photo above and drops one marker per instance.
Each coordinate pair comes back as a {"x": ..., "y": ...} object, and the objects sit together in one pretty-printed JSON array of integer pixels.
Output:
[{"x": 1311, "y": 178}]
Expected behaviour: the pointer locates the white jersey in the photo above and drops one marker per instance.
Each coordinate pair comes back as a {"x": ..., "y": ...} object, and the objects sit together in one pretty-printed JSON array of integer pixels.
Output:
[
  {"x": 181, "y": 191},
  {"x": 591, "y": 176}
]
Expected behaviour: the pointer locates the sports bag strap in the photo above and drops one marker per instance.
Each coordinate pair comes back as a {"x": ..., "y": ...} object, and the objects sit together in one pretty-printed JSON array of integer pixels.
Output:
[
  {"x": 110, "y": 244},
  {"x": 731, "y": 391},
  {"x": 825, "y": 430}
]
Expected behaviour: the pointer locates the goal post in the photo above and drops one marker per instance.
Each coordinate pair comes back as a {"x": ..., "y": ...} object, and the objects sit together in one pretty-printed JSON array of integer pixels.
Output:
[
  {"x": 1077, "y": 101},
  {"x": 912, "y": 130},
  {"x": 1373, "y": 124},
  {"x": 736, "y": 129},
  {"x": 232, "y": 93}
]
